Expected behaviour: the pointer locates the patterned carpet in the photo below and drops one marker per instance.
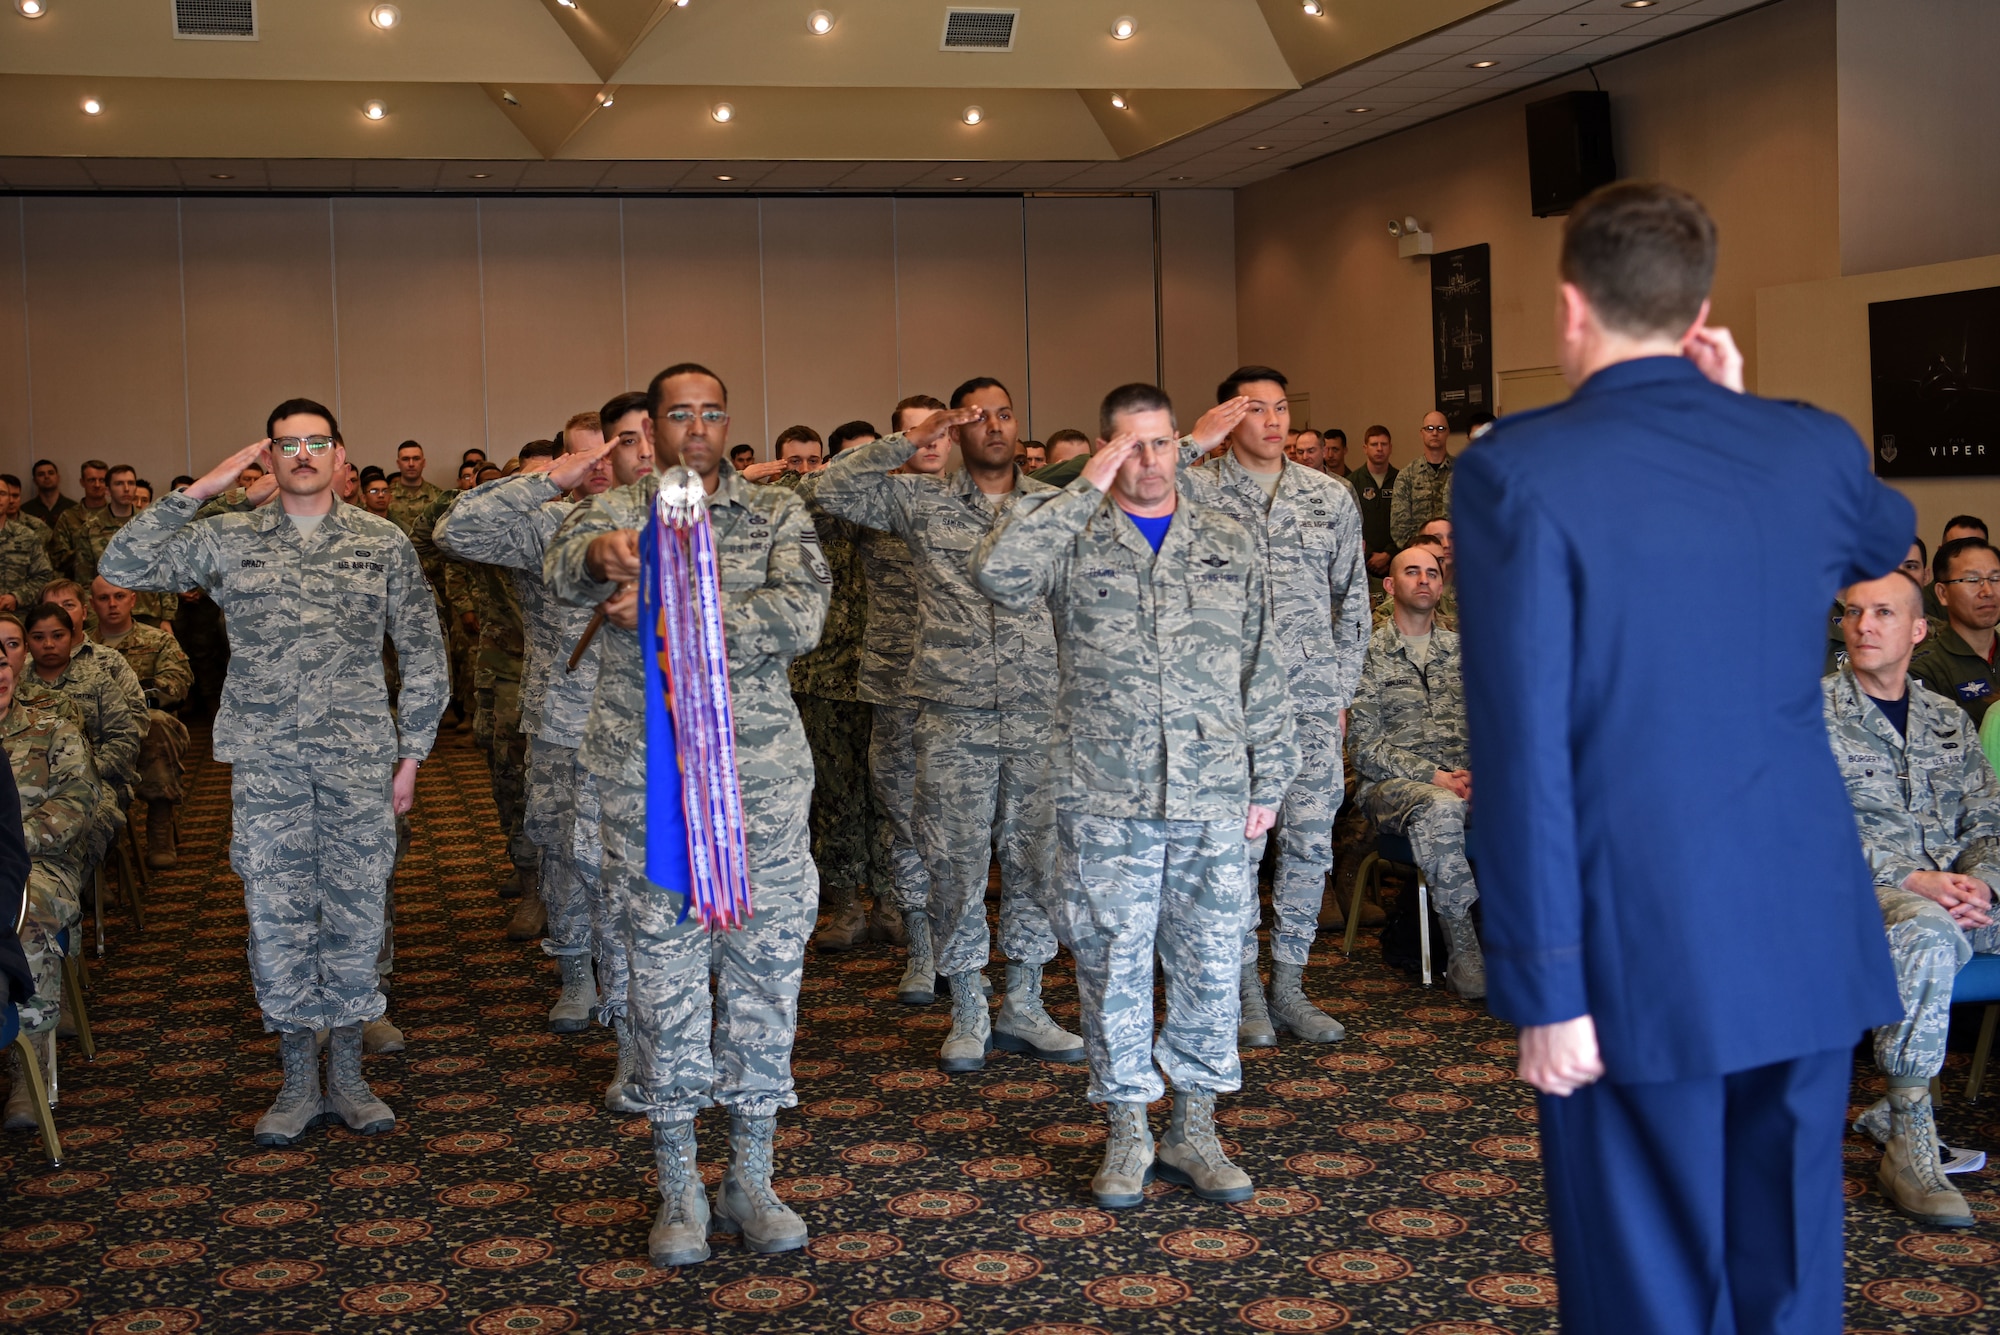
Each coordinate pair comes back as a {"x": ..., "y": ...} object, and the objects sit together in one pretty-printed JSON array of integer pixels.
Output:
[{"x": 1398, "y": 1184}]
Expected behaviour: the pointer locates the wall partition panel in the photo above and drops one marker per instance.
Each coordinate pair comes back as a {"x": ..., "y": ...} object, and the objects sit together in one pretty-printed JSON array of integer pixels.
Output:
[
  {"x": 550, "y": 266},
  {"x": 829, "y": 312},
  {"x": 1091, "y": 307},
  {"x": 260, "y": 317},
  {"x": 960, "y": 297},
  {"x": 104, "y": 302},
  {"x": 16, "y": 400},
  {"x": 693, "y": 293},
  {"x": 407, "y": 274}
]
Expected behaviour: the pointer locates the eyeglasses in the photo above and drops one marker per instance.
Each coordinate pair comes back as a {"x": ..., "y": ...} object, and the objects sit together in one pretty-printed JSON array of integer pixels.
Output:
[
  {"x": 683, "y": 416},
  {"x": 1990, "y": 580},
  {"x": 291, "y": 445},
  {"x": 1437, "y": 428}
]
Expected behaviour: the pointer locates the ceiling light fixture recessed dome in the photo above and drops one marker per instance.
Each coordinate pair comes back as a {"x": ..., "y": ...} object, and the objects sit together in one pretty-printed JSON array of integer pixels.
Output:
[
  {"x": 1359, "y": 111},
  {"x": 722, "y": 113},
  {"x": 385, "y": 17},
  {"x": 375, "y": 109},
  {"x": 1482, "y": 64},
  {"x": 91, "y": 106},
  {"x": 1120, "y": 101},
  {"x": 1123, "y": 28},
  {"x": 478, "y": 176},
  {"x": 719, "y": 178},
  {"x": 972, "y": 115},
  {"x": 1314, "y": 9},
  {"x": 819, "y": 22},
  {"x": 606, "y": 98},
  {"x": 221, "y": 176},
  {"x": 30, "y": 9}
]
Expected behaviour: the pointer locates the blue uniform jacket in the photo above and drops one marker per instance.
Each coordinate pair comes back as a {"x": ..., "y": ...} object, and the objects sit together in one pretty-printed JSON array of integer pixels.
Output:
[{"x": 1661, "y": 835}]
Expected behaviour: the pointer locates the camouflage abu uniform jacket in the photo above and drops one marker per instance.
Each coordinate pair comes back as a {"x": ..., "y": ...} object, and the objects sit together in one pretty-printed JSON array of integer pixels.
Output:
[
  {"x": 157, "y": 660},
  {"x": 51, "y": 763},
  {"x": 831, "y": 670},
  {"x": 24, "y": 562},
  {"x": 1409, "y": 721},
  {"x": 1926, "y": 801},
  {"x": 307, "y": 615},
  {"x": 774, "y": 595},
  {"x": 889, "y": 641},
  {"x": 1309, "y": 538},
  {"x": 1422, "y": 493},
  {"x": 508, "y": 523},
  {"x": 113, "y": 705},
  {"x": 1173, "y": 703},
  {"x": 971, "y": 652}
]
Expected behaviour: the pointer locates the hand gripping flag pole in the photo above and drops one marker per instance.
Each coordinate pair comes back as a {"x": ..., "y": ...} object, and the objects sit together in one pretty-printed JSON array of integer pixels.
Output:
[{"x": 694, "y": 808}]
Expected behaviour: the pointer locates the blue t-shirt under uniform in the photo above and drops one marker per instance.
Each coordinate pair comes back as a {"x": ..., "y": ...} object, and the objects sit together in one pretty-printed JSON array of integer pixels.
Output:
[{"x": 1153, "y": 526}]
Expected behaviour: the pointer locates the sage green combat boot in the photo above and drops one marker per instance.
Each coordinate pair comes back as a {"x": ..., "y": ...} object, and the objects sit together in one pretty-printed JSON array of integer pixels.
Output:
[
  {"x": 1192, "y": 1156},
  {"x": 747, "y": 1203},
  {"x": 347, "y": 1094},
  {"x": 1128, "y": 1158},
  {"x": 299, "y": 1105},
  {"x": 680, "y": 1229}
]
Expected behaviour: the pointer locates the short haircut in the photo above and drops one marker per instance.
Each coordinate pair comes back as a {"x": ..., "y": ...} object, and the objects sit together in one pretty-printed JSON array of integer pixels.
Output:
[
  {"x": 256, "y": 468},
  {"x": 1377, "y": 430},
  {"x": 55, "y": 586},
  {"x": 465, "y": 455},
  {"x": 42, "y": 463},
  {"x": 147, "y": 485},
  {"x": 10, "y": 480},
  {"x": 1133, "y": 398},
  {"x": 974, "y": 385},
  {"x": 293, "y": 407},
  {"x": 490, "y": 467},
  {"x": 621, "y": 406},
  {"x": 89, "y": 464},
  {"x": 46, "y": 611},
  {"x": 184, "y": 480},
  {"x": 838, "y": 438},
  {"x": 372, "y": 473},
  {"x": 1333, "y": 431},
  {"x": 795, "y": 433},
  {"x": 1643, "y": 255},
  {"x": 1308, "y": 431},
  {"x": 1233, "y": 383},
  {"x": 409, "y": 445},
  {"x": 745, "y": 448},
  {"x": 1068, "y": 433},
  {"x": 1966, "y": 521},
  {"x": 653, "y": 389},
  {"x": 578, "y": 422},
  {"x": 539, "y": 449},
  {"x": 1429, "y": 541},
  {"x": 924, "y": 401},
  {"x": 116, "y": 469},
  {"x": 1951, "y": 551}
]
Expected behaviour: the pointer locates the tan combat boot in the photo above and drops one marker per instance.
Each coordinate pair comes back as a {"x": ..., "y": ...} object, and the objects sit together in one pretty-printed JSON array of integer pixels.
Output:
[
  {"x": 1024, "y": 1024},
  {"x": 1293, "y": 1010},
  {"x": 746, "y": 1202},
  {"x": 160, "y": 852},
  {"x": 1465, "y": 975},
  {"x": 1909, "y": 1175},
  {"x": 971, "y": 1036},
  {"x": 619, "y": 1095},
  {"x": 298, "y": 1107},
  {"x": 1191, "y": 1156},
  {"x": 347, "y": 1094},
  {"x": 571, "y": 1013},
  {"x": 1128, "y": 1158},
  {"x": 680, "y": 1229},
  {"x": 1254, "y": 1029},
  {"x": 918, "y": 986},
  {"x": 847, "y": 924}
]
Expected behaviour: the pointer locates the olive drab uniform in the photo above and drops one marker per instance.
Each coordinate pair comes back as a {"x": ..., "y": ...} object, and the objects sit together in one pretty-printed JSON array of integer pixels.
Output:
[
  {"x": 114, "y": 722},
  {"x": 451, "y": 584},
  {"x": 774, "y": 593},
  {"x": 306, "y": 724},
  {"x": 1924, "y": 800},
  {"x": 52, "y": 769},
  {"x": 1308, "y": 535},
  {"x": 1422, "y": 493},
  {"x": 78, "y": 541},
  {"x": 1409, "y": 722},
  {"x": 164, "y": 674},
  {"x": 1173, "y": 717},
  {"x": 508, "y": 523},
  {"x": 982, "y": 677},
  {"x": 24, "y": 562}
]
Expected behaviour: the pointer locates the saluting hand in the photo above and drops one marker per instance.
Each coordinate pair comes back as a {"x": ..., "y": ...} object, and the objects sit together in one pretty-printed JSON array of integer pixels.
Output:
[
  {"x": 223, "y": 476},
  {"x": 571, "y": 469},
  {"x": 1103, "y": 467},
  {"x": 614, "y": 556},
  {"x": 763, "y": 470},
  {"x": 932, "y": 428},
  {"x": 1214, "y": 426}
]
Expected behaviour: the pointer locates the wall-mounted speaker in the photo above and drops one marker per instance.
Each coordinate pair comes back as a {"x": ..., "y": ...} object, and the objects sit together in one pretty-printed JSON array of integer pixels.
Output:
[{"x": 1569, "y": 150}]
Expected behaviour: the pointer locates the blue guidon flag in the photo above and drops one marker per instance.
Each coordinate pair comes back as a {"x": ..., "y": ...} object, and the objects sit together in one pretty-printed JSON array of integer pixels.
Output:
[{"x": 694, "y": 808}]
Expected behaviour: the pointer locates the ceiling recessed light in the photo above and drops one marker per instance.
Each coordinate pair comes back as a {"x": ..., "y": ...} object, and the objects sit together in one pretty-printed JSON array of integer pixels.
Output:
[
  {"x": 1123, "y": 28},
  {"x": 1262, "y": 148},
  {"x": 1359, "y": 111},
  {"x": 1482, "y": 64},
  {"x": 1639, "y": 4},
  {"x": 1314, "y": 9},
  {"x": 30, "y": 9},
  {"x": 91, "y": 106},
  {"x": 819, "y": 22},
  {"x": 478, "y": 176},
  {"x": 221, "y": 176},
  {"x": 722, "y": 113},
  {"x": 375, "y": 110},
  {"x": 1119, "y": 101},
  {"x": 385, "y": 17},
  {"x": 567, "y": 4},
  {"x": 719, "y": 178},
  {"x": 507, "y": 96},
  {"x": 958, "y": 178},
  {"x": 972, "y": 115},
  {"x": 1180, "y": 178},
  {"x": 606, "y": 98}
]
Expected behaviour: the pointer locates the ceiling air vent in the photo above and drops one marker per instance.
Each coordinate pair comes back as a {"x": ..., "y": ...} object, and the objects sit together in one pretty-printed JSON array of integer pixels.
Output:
[
  {"x": 216, "y": 20},
  {"x": 979, "y": 29}
]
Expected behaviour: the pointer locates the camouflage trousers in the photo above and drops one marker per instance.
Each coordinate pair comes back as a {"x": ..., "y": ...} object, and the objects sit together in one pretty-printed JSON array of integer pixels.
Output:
[
  {"x": 1928, "y": 949},
  {"x": 314, "y": 844},
  {"x": 1433, "y": 820},
  {"x": 735, "y": 1049},
  {"x": 1180, "y": 889},
  {"x": 563, "y": 820},
  {"x": 844, "y": 845},
  {"x": 461, "y": 655},
  {"x": 160, "y": 758},
  {"x": 107, "y": 825},
  {"x": 983, "y": 788},
  {"x": 54, "y": 906},
  {"x": 892, "y": 772},
  {"x": 1305, "y": 841},
  {"x": 496, "y": 728}
]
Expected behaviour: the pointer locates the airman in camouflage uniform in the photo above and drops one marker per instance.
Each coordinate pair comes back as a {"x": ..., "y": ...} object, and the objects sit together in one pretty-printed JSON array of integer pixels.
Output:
[
  {"x": 1408, "y": 727},
  {"x": 458, "y": 601},
  {"x": 24, "y": 562},
  {"x": 774, "y": 585},
  {"x": 113, "y": 707},
  {"x": 1308, "y": 535},
  {"x": 508, "y": 522},
  {"x": 1925, "y": 802},
  {"x": 52, "y": 770},
  {"x": 407, "y": 504},
  {"x": 320, "y": 761},
  {"x": 1172, "y": 721},
  {"x": 982, "y": 676},
  {"x": 1422, "y": 493},
  {"x": 81, "y": 536},
  {"x": 156, "y": 659}
]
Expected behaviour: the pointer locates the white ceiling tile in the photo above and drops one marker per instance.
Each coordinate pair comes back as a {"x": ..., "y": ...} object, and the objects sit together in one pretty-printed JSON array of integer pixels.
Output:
[{"x": 1586, "y": 25}]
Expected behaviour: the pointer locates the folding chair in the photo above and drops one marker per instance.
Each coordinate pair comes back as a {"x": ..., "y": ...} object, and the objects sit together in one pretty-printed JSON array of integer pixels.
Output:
[
  {"x": 1977, "y": 982},
  {"x": 1391, "y": 850},
  {"x": 41, "y": 1094},
  {"x": 73, "y": 983}
]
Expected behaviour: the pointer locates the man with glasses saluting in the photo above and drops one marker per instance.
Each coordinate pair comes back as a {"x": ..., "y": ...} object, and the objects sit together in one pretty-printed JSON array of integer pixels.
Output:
[{"x": 322, "y": 766}]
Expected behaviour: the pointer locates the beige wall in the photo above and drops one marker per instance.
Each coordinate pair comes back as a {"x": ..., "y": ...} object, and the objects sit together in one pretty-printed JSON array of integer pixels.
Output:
[
  {"x": 1813, "y": 340},
  {"x": 1742, "y": 113},
  {"x": 486, "y": 322}
]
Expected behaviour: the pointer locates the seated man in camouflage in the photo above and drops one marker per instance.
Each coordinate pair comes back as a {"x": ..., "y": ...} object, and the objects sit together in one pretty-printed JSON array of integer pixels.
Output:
[
  {"x": 94, "y": 677},
  {"x": 1411, "y": 751},
  {"x": 1928, "y": 807},
  {"x": 52, "y": 771},
  {"x": 164, "y": 674}
]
